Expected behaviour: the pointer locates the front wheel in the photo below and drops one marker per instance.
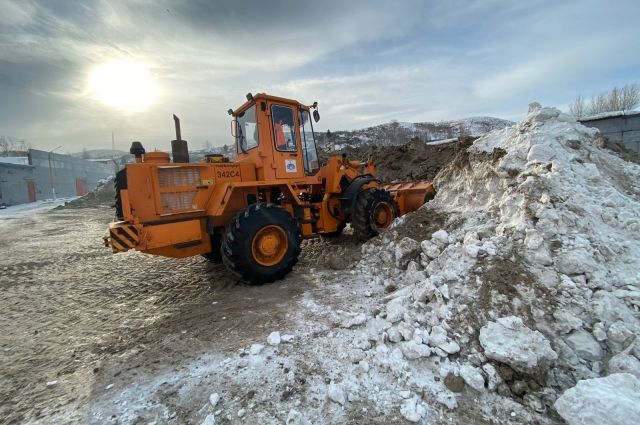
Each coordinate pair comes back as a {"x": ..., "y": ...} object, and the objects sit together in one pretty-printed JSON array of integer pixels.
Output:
[
  {"x": 261, "y": 243},
  {"x": 374, "y": 211}
]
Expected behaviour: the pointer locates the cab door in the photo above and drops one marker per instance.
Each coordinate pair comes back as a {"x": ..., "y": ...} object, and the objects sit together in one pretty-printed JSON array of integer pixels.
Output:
[{"x": 287, "y": 155}]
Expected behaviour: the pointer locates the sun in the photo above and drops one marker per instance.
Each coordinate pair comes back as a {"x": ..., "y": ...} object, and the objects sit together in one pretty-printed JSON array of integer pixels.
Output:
[{"x": 126, "y": 85}]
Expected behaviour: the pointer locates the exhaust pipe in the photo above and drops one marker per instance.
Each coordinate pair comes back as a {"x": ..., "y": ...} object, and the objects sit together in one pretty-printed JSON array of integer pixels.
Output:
[{"x": 179, "y": 148}]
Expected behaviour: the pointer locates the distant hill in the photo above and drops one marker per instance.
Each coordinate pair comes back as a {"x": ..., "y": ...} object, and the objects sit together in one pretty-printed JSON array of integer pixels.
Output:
[
  {"x": 397, "y": 133},
  {"x": 393, "y": 133}
]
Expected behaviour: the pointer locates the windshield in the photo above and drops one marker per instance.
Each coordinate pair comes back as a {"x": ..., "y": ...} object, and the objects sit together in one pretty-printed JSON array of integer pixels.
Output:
[
  {"x": 309, "y": 152},
  {"x": 247, "y": 134},
  {"x": 284, "y": 132}
]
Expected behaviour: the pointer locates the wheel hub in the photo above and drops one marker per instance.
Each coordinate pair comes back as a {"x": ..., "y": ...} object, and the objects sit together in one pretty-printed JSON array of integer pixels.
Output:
[
  {"x": 382, "y": 215},
  {"x": 269, "y": 245}
]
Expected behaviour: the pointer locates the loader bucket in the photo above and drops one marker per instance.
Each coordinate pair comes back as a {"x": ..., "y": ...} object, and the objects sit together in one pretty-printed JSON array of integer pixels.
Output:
[{"x": 411, "y": 195}]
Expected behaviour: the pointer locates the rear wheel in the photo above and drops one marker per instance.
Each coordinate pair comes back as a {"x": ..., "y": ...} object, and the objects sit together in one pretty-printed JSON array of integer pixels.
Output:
[
  {"x": 261, "y": 244},
  {"x": 374, "y": 211}
]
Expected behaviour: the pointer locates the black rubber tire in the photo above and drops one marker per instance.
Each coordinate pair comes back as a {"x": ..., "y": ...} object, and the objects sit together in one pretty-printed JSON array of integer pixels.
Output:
[
  {"x": 238, "y": 237},
  {"x": 362, "y": 220},
  {"x": 119, "y": 183},
  {"x": 215, "y": 256}
]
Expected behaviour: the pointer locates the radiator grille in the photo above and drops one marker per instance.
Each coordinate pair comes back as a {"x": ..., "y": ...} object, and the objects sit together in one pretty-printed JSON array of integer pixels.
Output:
[
  {"x": 178, "y": 201},
  {"x": 171, "y": 177}
]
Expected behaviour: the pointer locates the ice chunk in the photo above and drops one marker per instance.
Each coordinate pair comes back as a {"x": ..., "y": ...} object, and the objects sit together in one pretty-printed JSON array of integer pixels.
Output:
[
  {"x": 493, "y": 379},
  {"x": 430, "y": 249},
  {"x": 336, "y": 393},
  {"x": 449, "y": 347},
  {"x": 412, "y": 350},
  {"x": 395, "y": 310},
  {"x": 440, "y": 238},
  {"x": 625, "y": 363},
  {"x": 472, "y": 377},
  {"x": 599, "y": 332},
  {"x": 575, "y": 261},
  {"x": 406, "y": 250},
  {"x": 405, "y": 330},
  {"x": 256, "y": 349},
  {"x": 352, "y": 320},
  {"x": 613, "y": 400},
  {"x": 295, "y": 418},
  {"x": 413, "y": 410},
  {"x": 287, "y": 338},
  {"x": 274, "y": 338},
  {"x": 393, "y": 334},
  {"x": 438, "y": 336},
  {"x": 584, "y": 345},
  {"x": 209, "y": 420},
  {"x": 509, "y": 341},
  {"x": 423, "y": 291},
  {"x": 619, "y": 333},
  {"x": 214, "y": 398}
]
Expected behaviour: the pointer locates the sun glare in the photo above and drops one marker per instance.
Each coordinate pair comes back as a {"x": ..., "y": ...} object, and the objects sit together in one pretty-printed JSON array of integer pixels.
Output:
[{"x": 125, "y": 85}]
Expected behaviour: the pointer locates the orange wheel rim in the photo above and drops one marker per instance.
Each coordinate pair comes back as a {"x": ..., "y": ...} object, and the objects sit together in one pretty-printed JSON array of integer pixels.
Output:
[
  {"x": 383, "y": 215},
  {"x": 269, "y": 245}
]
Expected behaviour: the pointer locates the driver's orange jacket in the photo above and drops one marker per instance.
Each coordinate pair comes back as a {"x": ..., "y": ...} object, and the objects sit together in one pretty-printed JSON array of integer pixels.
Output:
[{"x": 280, "y": 142}]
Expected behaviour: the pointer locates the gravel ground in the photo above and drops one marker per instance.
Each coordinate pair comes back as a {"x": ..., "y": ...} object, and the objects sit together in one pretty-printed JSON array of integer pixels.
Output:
[{"x": 77, "y": 318}]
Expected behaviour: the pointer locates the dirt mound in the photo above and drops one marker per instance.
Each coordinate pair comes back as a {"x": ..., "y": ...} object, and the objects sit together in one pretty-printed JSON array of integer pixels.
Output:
[
  {"x": 415, "y": 160},
  {"x": 102, "y": 195},
  {"x": 620, "y": 149}
]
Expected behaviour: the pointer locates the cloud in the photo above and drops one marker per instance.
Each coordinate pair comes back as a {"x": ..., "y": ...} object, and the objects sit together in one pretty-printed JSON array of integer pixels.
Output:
[{"x": 365, "y": 62}]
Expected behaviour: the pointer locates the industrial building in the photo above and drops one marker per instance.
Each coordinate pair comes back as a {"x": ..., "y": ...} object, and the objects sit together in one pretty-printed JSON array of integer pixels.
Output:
[
  {"x": 46, "y": 175},
  {"x": 621, "y": 126}
]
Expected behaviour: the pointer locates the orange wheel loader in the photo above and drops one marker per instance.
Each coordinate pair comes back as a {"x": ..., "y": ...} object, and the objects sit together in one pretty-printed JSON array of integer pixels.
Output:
[{"x": 251, "y": 214}]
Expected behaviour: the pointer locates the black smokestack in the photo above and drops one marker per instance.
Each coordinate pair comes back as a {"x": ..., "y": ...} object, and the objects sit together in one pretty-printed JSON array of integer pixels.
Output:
[{"x": 179, "y": 147}]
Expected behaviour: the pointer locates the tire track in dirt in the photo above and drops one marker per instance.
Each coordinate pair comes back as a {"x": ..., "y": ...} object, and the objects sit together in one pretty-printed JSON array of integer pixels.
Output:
[{"x": 69, "y": 305}]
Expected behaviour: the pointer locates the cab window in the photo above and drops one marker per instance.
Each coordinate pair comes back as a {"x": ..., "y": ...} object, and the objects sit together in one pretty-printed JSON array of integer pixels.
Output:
[
  {"x": 284, "y": 133},
  {"x": 247, "y": 134},
  {"x": 309, "y": 152}
]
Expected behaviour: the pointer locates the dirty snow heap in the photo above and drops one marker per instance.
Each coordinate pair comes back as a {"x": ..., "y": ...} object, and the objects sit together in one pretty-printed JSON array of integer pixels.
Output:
[{"x": 531, "y": 285}]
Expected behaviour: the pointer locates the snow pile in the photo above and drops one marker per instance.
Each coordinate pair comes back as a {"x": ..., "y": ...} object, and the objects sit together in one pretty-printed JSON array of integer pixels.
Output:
[{"x": 532, "y": 284}]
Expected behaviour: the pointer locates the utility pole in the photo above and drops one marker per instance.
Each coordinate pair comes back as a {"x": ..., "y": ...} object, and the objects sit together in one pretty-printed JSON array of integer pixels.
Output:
[{"x": 53, "y": 186}]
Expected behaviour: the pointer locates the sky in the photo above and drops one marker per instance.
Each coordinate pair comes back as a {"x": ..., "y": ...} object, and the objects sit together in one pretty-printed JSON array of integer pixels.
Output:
[{"x": 364, "y": 62}]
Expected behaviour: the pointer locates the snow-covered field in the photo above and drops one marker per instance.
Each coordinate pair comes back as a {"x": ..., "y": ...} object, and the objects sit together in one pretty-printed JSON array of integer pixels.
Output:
[{"x": 21, "y": 210}]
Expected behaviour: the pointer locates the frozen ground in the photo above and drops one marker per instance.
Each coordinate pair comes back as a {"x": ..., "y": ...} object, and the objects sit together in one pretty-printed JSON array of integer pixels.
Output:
[
  {"x": 512, "y": 298},
  {"x": 19, "y": 211}
]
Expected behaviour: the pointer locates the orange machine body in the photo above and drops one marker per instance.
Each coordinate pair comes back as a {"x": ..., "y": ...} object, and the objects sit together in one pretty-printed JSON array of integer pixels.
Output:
[{"x": 174, "y": 209}]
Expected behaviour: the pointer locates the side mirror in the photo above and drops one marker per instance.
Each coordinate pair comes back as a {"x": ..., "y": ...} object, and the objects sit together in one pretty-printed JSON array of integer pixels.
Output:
[
  {"x": 234, "y": 128},
  {"x": 316, "y": 116}
]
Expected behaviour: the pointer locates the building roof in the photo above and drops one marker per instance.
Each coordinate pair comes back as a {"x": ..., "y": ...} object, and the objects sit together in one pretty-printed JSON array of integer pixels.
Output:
[
  {"x": 20, "y": 160},
  {"x": 613, "y": 114}
]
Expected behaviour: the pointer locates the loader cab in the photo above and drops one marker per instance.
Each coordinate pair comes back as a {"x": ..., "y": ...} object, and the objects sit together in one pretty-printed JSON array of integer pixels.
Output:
[{"x": 276, "y": 134}]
